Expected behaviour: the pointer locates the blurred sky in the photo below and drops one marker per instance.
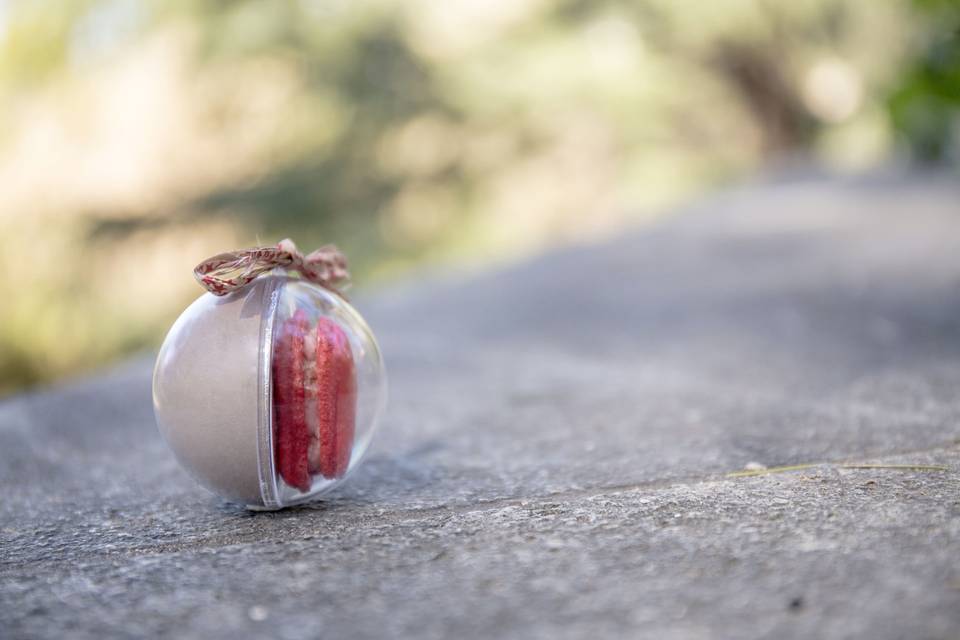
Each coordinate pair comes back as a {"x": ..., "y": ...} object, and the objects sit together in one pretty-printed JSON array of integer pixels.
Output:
[{"x": 139, "y": 137}]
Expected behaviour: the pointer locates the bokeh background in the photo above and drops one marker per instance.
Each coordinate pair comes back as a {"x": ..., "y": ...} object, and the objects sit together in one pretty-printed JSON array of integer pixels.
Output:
[{"x": 138, "y": 137}]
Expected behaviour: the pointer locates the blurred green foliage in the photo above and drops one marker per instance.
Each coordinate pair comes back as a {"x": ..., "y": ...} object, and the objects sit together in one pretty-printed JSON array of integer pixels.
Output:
[
  {"x": 925, "y": 103},
  {"x": 139, "y": 137}
]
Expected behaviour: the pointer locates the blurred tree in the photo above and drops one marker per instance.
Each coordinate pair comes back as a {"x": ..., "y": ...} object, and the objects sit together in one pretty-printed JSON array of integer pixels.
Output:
[
  {"x": 136, "y": 138},
  {"x": 925, "y": 103}
]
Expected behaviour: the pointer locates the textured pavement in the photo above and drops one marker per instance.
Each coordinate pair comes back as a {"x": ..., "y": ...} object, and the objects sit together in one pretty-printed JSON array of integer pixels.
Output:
[{"x": 557, "y": 454}]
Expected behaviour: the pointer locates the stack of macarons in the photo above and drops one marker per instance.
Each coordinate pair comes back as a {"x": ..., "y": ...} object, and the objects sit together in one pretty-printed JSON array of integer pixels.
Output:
[{"x": 314, "y": 400}]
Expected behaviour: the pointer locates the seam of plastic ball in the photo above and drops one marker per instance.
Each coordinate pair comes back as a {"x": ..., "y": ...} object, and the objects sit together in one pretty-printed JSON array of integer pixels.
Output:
[{"x": 269, "y": 492}]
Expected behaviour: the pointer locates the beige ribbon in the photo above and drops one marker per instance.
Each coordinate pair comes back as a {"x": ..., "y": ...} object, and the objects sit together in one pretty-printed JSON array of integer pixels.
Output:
[{"x": 234, "y": 270}]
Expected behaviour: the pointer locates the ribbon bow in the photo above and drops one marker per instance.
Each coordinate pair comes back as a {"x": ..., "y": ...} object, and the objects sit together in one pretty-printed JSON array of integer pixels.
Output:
[{"x": 234, "y": 270}]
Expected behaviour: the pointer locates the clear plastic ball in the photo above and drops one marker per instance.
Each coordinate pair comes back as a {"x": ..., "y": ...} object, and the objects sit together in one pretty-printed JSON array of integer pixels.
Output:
[{"x": 270, "y": 396}]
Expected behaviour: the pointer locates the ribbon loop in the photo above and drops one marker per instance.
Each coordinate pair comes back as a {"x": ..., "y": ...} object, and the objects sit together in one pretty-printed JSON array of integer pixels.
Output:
[{"x": 234, "y": 270}]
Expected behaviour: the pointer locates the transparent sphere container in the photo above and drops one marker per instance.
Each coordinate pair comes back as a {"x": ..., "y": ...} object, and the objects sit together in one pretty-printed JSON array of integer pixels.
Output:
[{"x": 269, "y": 396}]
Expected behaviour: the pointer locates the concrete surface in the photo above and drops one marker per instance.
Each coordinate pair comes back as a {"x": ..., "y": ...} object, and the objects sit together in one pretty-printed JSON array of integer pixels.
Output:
[{"x": 555, "y": 461}]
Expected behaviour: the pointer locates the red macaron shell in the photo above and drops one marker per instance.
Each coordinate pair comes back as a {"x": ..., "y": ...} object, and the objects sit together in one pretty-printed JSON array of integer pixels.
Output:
[
  {"x": 346, "y": 414},
  {"x": 336, "y": 398},
  {"x": 290, "y": 432}
]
